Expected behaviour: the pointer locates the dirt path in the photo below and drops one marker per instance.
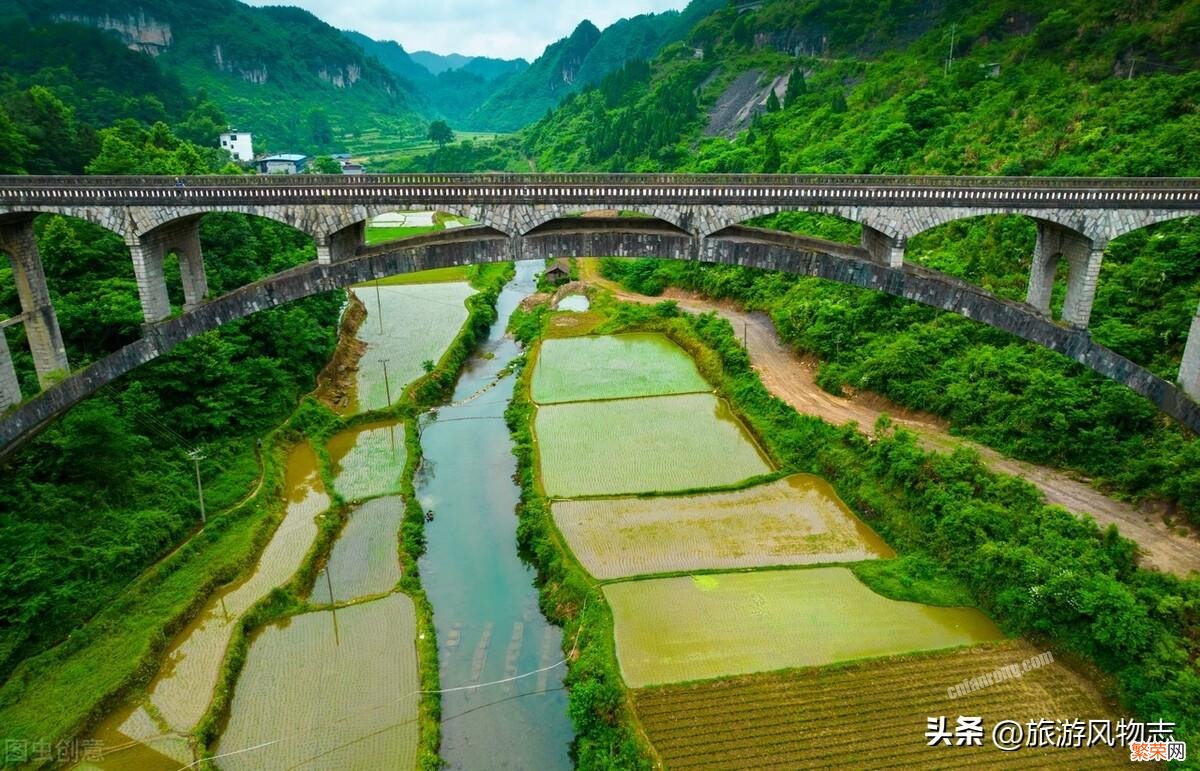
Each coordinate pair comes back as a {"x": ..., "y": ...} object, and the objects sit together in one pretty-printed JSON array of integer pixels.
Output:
[{"x": 792, "y": 379}]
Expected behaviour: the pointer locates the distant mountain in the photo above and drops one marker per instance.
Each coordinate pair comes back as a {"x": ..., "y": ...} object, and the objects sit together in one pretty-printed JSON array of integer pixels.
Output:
[
  {"x": 585, "y": 58},
  {"x": 438, "y": 63},
  {"x": 492, "y": 69},
  {"x": 392, "y": 56},
  {"x": 279, "y": 72}
]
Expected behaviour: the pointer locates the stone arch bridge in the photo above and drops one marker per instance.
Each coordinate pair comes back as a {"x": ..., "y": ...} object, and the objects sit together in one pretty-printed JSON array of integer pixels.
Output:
[{"x": 692, "y": 217}]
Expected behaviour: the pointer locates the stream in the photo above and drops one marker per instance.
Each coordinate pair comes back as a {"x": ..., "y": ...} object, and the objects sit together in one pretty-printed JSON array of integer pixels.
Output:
[{"x": 485, "y": 605}]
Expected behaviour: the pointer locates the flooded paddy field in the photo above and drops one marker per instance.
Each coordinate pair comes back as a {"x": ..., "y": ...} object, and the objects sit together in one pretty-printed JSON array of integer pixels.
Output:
[
  {"x": 795, "y": 520},
  {"x": 613, "y": 367},
  {"x": 363, "y": 560},
  {"x": 868, "y": 714},
  {"x": 368, "y": 460},
  {"x": 696, "y": 627},
  {"x": 658, "y": 443},
  {"x": 418, "y": 322},
  {"x": 328, "y": 689},
  {"x": 151, "y": 733}
]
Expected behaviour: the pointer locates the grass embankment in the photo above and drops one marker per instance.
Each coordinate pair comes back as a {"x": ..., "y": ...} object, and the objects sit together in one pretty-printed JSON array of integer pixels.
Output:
[{"x": 319, "y": 425}]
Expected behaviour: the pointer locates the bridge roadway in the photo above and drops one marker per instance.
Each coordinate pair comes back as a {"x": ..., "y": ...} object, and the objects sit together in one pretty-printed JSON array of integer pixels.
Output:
[{"x": 696, "y": 217}]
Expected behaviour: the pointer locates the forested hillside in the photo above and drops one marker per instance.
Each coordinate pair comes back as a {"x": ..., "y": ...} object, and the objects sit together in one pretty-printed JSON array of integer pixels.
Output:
[
  {"x": 279, "y": 72},
  {"x": 583, "y": 59},
  {"x": 849, "y": 87},
  {"x": 109, "y": 488}
]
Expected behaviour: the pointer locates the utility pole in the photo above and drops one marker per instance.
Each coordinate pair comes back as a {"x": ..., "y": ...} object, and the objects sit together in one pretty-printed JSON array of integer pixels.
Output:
[
  {"x": 379, "y": 306},
  {"x": 950, "y": 59},
  {"x": 745, "y": 344},
  {"x": 196, "y": 457},
  {"x": 386, "y": 386}
]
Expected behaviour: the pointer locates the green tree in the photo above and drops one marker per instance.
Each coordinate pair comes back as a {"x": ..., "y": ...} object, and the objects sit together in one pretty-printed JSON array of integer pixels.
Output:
[
  {"x": 440, "y": 132},
  {"x": 771, "y": 159},
  {"x": 772, "y": 102},
  {"x": 324, "y": 164},
  {"x": 796, "y": 87},
  {"x": 320, "y": 133}
]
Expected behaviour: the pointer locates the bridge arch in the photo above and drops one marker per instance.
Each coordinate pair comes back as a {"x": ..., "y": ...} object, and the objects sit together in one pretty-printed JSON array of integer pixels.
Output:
[
  {"x": 537, "y": 215},
  {"x": 737, "y": 245}
]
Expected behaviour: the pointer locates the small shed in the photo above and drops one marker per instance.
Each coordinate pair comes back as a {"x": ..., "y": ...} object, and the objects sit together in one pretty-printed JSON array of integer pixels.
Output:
[{"x": 559, "y": 271}]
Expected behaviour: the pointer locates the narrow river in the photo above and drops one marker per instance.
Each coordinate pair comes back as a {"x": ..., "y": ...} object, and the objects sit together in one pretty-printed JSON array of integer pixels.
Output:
[{"x": 485, "y": 604}]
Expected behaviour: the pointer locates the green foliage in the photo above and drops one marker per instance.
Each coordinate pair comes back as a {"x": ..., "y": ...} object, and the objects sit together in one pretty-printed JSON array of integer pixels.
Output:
[
  {"x": 440, "y": 133},
  {"x": 324, "y": 164}
]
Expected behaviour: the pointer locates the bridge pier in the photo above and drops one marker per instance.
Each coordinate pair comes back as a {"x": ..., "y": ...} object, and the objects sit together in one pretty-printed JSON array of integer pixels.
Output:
[
  {"x": 148, "y": 253},
  {"x": 882, "y": 247},
  {"x": 10, "y": 387},
  {"x": 342, "y": 244},
  {"x": 1189, "y": 367},
  {"x": 41, "y": 322},
  {"x": 1055, "y": 242}
]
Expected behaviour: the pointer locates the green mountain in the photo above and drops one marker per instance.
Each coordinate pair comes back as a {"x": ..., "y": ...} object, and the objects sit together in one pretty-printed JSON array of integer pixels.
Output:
[
  {"x": 439, "y": 63},
  {"x": 279, "y": 72},
  {"x": 450, "y": 92},
  {"x": 582, "y": 59}
]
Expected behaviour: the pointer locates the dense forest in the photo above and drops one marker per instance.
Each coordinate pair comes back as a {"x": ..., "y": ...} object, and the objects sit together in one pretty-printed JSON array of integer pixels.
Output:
[{"x": 105, "y": 491}]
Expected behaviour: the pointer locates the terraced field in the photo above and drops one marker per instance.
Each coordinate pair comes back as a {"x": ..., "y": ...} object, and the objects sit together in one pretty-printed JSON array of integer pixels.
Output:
[
  {"x": 797, "y": 520},
  {"x": 325, "y": 691},
  {"x": 693, "y": 627},
  {"x": 364, "y": 560},
  {"x": 419, "y": 323},
  {"x": 657, "y": 443},
  {"x": 613, "y": 367},
  {"x": 868, "y": 715},
  {"x": 367, "y": 460}
]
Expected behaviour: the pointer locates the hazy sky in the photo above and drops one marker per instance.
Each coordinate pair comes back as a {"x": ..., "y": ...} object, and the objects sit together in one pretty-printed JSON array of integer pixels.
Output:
[{"x": 503, "y": 28}]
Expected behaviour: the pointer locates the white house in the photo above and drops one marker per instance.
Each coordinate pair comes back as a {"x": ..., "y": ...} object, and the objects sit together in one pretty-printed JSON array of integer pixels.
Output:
[{"x": 239, "y": 144}]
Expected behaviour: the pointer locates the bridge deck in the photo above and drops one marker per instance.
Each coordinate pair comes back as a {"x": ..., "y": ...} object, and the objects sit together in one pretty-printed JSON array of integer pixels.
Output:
[{"x": 699, "y": 189}]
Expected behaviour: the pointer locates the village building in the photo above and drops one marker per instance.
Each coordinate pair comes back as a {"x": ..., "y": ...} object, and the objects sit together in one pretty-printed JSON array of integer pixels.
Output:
[
  {"x": 287, "y": 163},
  {"x": 559, "y": 272},
  {"x": 240, "y": 145}
]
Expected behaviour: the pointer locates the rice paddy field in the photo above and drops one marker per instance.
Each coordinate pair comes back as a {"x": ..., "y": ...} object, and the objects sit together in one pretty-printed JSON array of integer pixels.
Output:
[
  {"x": 419, "y": 323},
  {"x": 868, "y": 715},
  {"x": 795, "y": 520},
  {"x": 652, "y": 444},
  {"x": 613, "y": 367},
  {"x": 368, "y": 460},
  {"x": 328, "y": 690},
  {"x": 364, "y": 558},
  {"x": 696, "y": 627},
  {"x": 178, "y": 696}
]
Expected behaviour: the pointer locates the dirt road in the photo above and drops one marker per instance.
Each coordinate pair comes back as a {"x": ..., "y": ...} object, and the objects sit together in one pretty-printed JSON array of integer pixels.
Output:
[{"x": 792, "y": 379}]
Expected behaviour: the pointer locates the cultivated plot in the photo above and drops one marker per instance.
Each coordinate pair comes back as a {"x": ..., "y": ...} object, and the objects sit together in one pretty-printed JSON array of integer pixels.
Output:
[
  {"x": 368, "y": 460},
  {"x": 613, "y": 367},
  {"x": 364, "y": 558},
  {"x": 419, "y": 323},
  {"x": 869, "y": 715},
  {"x": 695, "y": 627},
  {"x": 797, "y": 520},
  {"x": 653, "y": 444},
  {"x": 339, "y": 687}
]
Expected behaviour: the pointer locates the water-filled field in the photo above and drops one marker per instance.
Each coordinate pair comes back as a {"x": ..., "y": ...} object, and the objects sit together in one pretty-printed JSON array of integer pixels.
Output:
[
  {"x": 869, "y": 714},
  {"x": 328, "y": 690},
  {"x": 419, "y": 322},
  {"x": 368, "y": 459},
  {"x": 574, "y": 302},
  {"x": 613, "y": 367},
  {"x": 364, "y": 558},
  {"x": 694, "y": 627},
  {"x": 181, "y": 692},
  {"x": 797, "y": 520},
  {"x": 659, "y": 443}
]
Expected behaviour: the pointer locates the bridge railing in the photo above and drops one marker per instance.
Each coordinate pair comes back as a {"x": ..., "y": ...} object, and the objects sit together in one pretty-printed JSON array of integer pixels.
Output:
[{"x": 279, "y": 181}]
